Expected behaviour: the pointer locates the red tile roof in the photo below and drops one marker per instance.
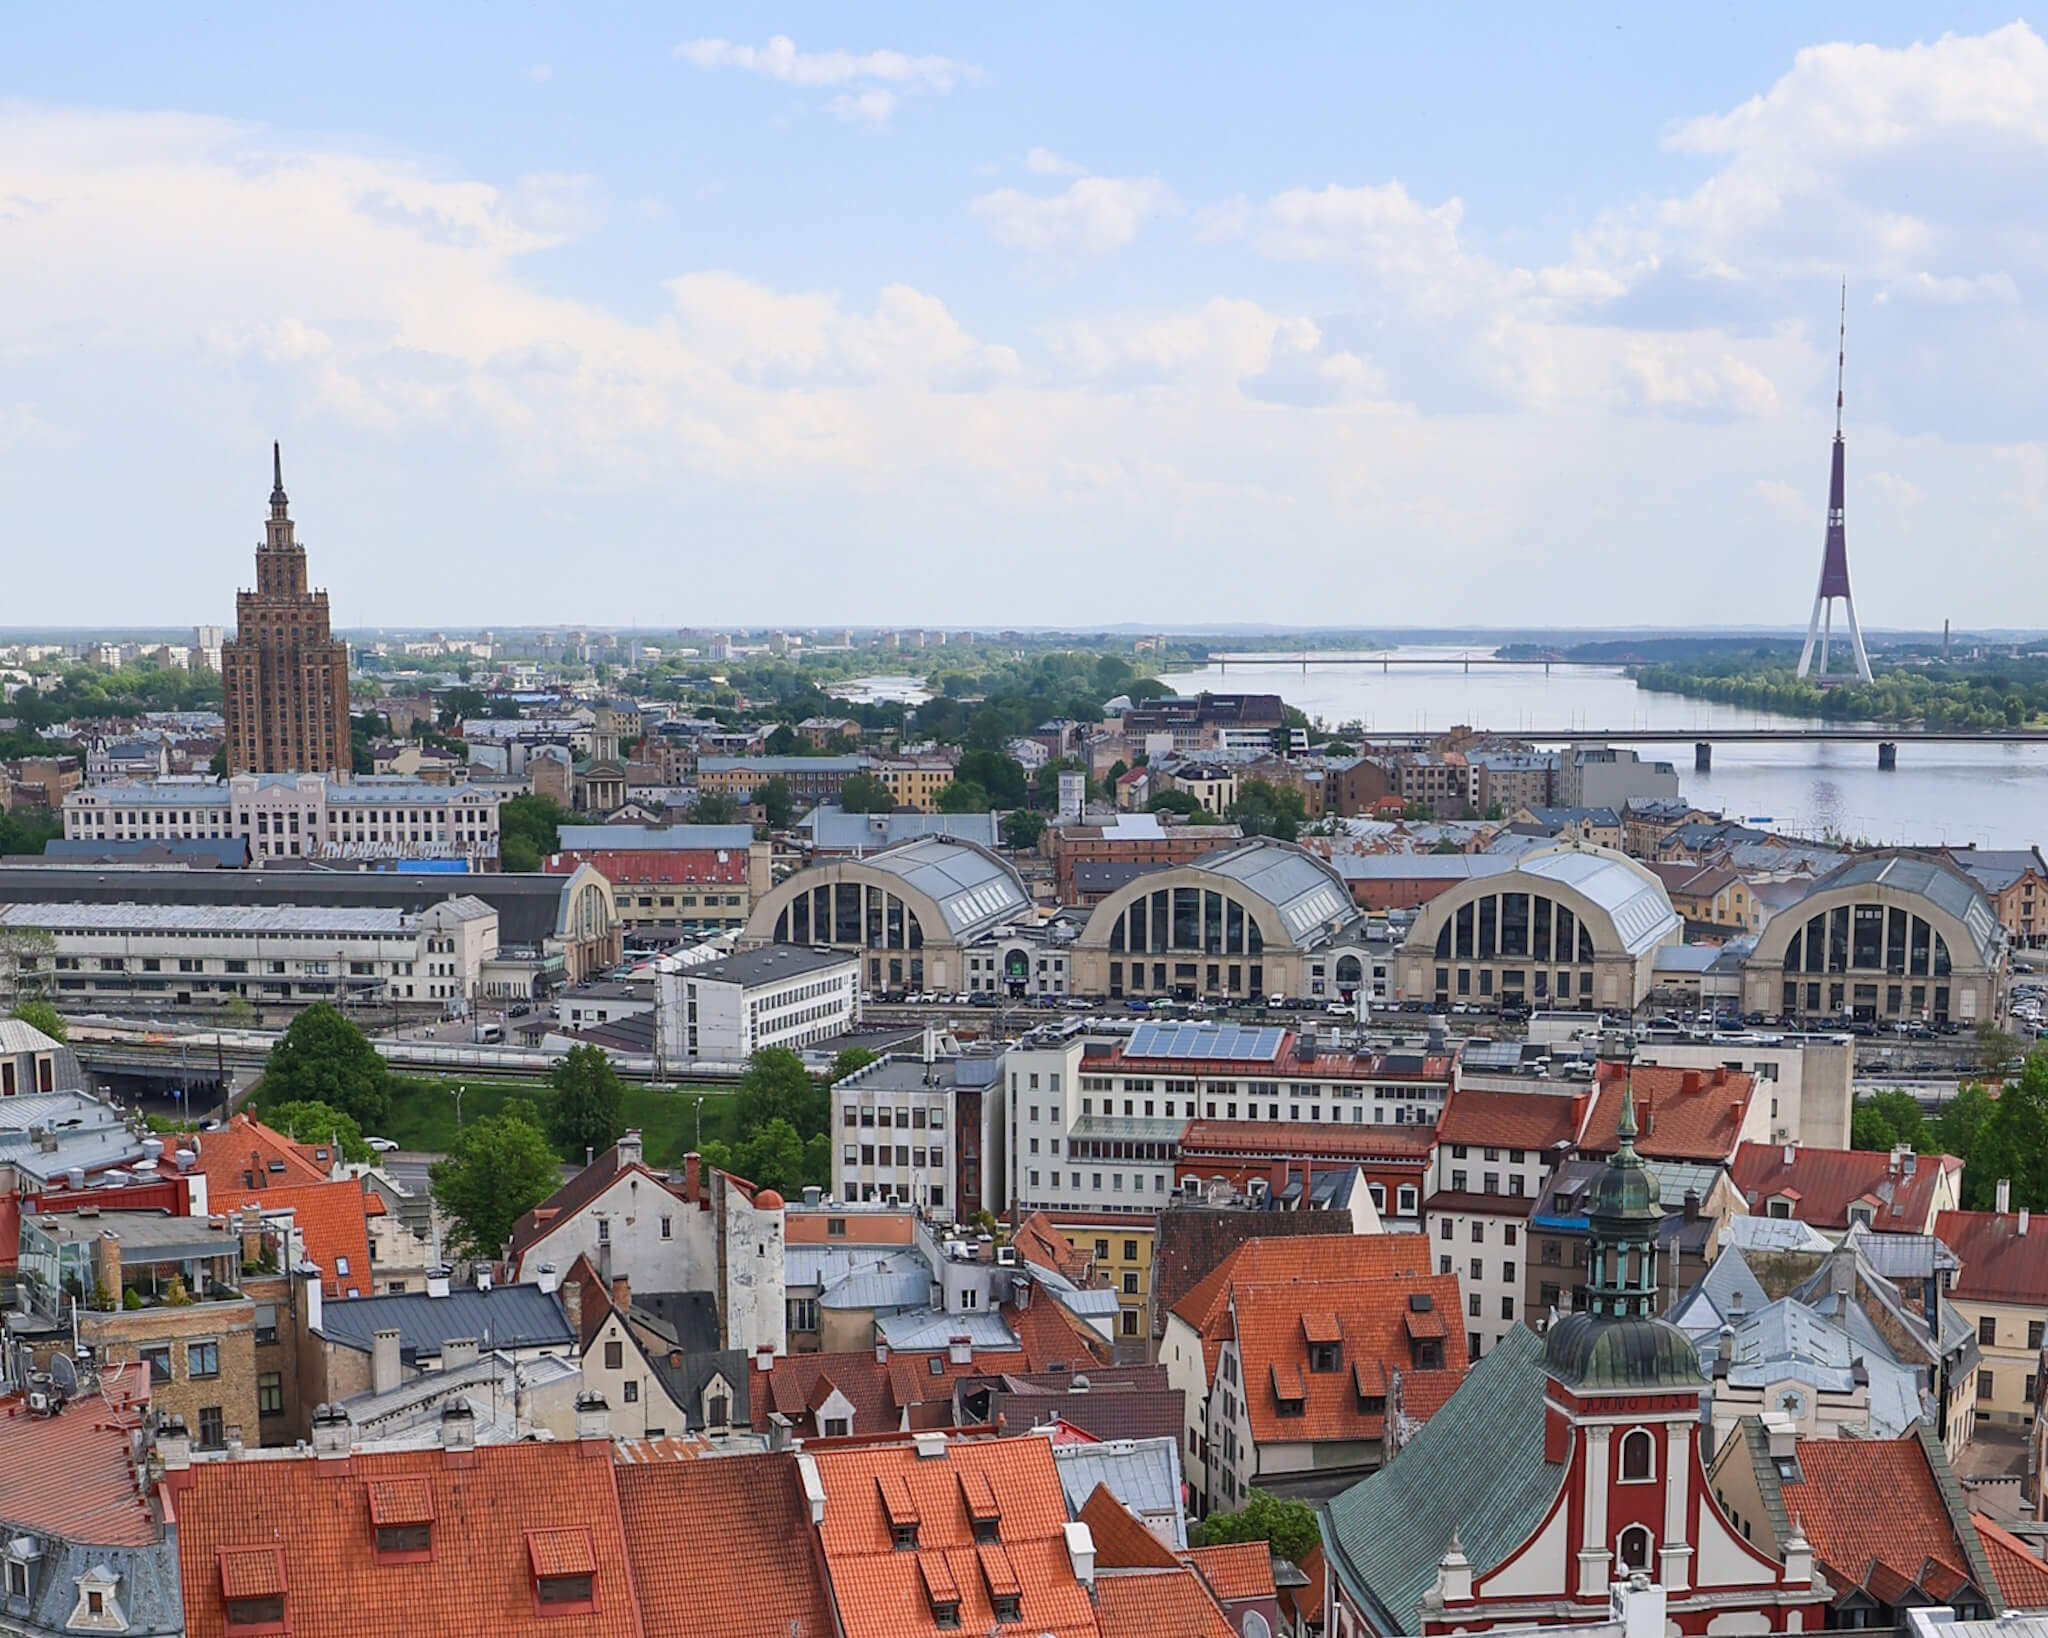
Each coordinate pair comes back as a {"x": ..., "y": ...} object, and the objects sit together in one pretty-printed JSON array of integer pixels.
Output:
[
  {"x": 654, "y": 867},
  {"x": 882, "y": 1592},
  {"x": 1235, "y": 1571},
  {"x": 96, "y": 1502},
  {"x": 1121, "y": 1540},
  {"x": 1511, "y": 1120},
  {"x": 245, "y": 1155},
  {"x": 1039, "y": 1240},
  {"x": 499, "y": 1511},
  {"x": 1158, "y": 1604},
  {"x": 723, "y": 1548},
  {"x": 1824, "y": 1183},
  {"x": 2021, "y": 1575},
  {"x": 1192, "y": 1241},
  {"x": 1681, "y": 1114},
  {"x": 1874, "y": 1513},
  {"x": 2000, "y": 1264},
  {"x": 332, "y": 1221},
  {"x": 1368, "y": 1285}
]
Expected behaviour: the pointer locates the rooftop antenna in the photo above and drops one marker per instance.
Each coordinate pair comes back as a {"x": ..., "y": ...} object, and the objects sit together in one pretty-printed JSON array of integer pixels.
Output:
[{"x": 1834, "y": 560}]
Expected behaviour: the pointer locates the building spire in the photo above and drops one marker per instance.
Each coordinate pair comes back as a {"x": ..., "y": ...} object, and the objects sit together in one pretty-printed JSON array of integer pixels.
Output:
[
  {"x": 277, "y": 496},
  {"x": 1834, "y": 558},
  {"x": 1841, "y": 358}
]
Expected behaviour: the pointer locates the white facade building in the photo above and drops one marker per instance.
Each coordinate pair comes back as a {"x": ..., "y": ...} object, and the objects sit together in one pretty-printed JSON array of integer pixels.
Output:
[
  {"x": 271, "y": 955},
  {"x": 926, "y": 1132},
  {"x": 290, "y": 816},
  {"x": 781, "y": 996}
]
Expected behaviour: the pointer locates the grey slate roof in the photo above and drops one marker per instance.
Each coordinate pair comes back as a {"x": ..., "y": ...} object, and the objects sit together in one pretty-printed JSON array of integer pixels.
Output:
[
  {"x": 763, "y": 966},
  {"x": 1938, "y": 882},
  {"x": 972, "y": 887},
  {"x": 506, "y": 1317},
  {"x": 1306, "y": 892},
  {"x": 1143, "y": 1474},
  {"x": 1631, "y": 896},
  {"x": 833, "y": 830},
  {"x": 655, "y": 838},
  {"x": 1476, "y": 1469}
]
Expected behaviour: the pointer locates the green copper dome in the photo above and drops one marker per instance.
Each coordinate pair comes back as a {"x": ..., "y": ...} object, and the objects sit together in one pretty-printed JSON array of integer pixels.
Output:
[{"x": 1598, "y": 1351}]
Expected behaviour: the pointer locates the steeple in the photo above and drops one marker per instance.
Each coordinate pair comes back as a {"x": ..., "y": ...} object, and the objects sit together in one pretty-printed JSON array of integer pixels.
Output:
[
  {"x": 1834, "y": 559},
  {"x": 1622, "y": 1215},
  {"x": 278, "y": 501}
]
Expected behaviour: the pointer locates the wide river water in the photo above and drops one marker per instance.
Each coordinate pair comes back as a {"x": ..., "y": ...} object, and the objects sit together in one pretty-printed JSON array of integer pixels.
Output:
[{"x": 1954, "y": 795}]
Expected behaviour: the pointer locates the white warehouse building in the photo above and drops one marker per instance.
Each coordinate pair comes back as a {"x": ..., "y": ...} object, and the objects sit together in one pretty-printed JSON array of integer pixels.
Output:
[
  {"x": 781, "y": 996},
  {"x": 270, "y": 955}
]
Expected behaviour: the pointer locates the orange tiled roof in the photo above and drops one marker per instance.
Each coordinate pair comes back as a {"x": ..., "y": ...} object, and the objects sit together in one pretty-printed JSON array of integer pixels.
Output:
[
  {"x": 1873, "y": 1512},
  {"x": 1681, "y": 1114},
  {"x": 1121, "y": 1540},
  {"x": 1826, "y": 1182},
  {"x": 1158, "y": 1604},
  {"x": 1236, "y": 1570},
  {"x": 1040, "y": 1240},
  {"x": 330, "y": 1218},
  {"x": 246, "y": 1155},
  {"x": 2000, "y": 1264},
  {"x": 97, "y": 1501},
  {"x": 1362, "y": 1281},
  {"x": 1510, "y": 1120},
  {"x": 2021, "y": 1575},
  {"x": 882, "y": 1592},
  {"x": 498, "y": 1511}
]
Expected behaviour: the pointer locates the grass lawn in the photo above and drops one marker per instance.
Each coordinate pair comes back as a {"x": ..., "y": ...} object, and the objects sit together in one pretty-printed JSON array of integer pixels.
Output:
[{"x": 423, "y": 1113}]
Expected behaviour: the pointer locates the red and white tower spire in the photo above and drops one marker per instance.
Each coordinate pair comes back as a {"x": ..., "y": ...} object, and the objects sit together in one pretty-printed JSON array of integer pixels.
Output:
[{"x": 1834, "y": 558}]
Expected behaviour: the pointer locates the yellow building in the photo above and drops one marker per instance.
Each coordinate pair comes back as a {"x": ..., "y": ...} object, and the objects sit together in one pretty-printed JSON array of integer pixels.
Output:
[
  {"x": 915, "y": 781},
  {"x": 2001, "y": 1290},
  {"x": 1122, "y": 1249}
]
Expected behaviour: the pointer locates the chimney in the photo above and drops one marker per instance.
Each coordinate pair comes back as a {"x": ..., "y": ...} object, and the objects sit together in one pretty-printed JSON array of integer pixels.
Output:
[
  {"x": 764, "y": 1357},
  {"x": 622, "y": 1293},
  {"x": 483, "y": 1277},
  {"x": 960, "y": 1350},
  {"x": 778, "y": 1432},
  {"x": 174, "y": 1444},
  {"x": 1724, "y": 1349},
  {"x": 881, "y": 1350},
  {"x": 1790, "y": 1154},
  {"x": 458, "y": 1352},
  {"x": 630, "y": 1149},
  {"x": 384, "y": 1360},
  {"x": 2004, "y": 1195},
  {"x": 549, "y": 1279},
  {"x": 593, "y": 1417},
  {"x": 458, "y": 1425},
  {"x": 236, "y": 1449},
  {"x": 311, "y": 1294},
  {"x": 807, "y": 1471},
  {"x": 930, "y": 1446},
  {"x": 333, "y": 1432},
  {"x": 1692, "y": 1205},
  {"x": 2023, "y": 1221},
  {"x": 572, "y": 1304},
  {"x": 437, "y": 1280},
  {"x": 692, "y": 1178},
  {"x": 106, "y": 1262},
  {"x": 1020, "y": 1291},
  {"x": 1081, "y": 1553}
]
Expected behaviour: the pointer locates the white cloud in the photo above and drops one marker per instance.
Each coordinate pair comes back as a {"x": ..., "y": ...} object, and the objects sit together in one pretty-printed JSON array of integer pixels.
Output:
[
  {"x": 1090, "y": 217},
  {"x": 872, "y": 106},
  {"x": 780, "y": 60},
  {"x": 541, "y": 73},
  {"x": 1044, "y": 162}
]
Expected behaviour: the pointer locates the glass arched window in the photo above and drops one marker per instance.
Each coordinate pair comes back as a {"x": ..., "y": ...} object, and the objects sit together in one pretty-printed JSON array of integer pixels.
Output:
[
  {"x": 1443, "y": 940},
  {"x": 1638, "y": 1456},
  {"x": 1632, "y": 1551}
]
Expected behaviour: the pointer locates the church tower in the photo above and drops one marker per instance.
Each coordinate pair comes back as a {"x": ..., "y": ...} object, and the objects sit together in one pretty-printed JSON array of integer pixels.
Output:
[{"x": 285, "y": 677}]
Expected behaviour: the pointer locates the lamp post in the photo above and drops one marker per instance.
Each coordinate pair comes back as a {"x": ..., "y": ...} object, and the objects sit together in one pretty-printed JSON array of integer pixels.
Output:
[{"x": 457, "y": 1092}]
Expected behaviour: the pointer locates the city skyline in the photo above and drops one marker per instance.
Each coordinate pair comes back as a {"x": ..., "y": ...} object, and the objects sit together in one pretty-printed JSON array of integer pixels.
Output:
[{"x": 789, "y": 320}]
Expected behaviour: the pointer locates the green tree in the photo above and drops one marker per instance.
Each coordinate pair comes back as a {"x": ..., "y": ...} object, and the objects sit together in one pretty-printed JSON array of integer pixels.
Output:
[
  {"x": 529, "y": 829},
  {"x": 1955, "y": 1127},
  {"x": 715, "y": 808},
  {"x": 587, "y": 1111},
  {"x": 777, "y": 805},
  {"x": 776, "y": 1087},
  {"x": 1265, "y": 809},
  {"x": 41, "y": 1015},
  {"x": 2012, "y": 1142},
  {"x": 1885, "y": 1119},
  {"x": 846, "y": 1060},
  {"x": 1001, "y": 776},
  {"x": 323, "y": 1058},
  {"x": 1022, "y": 829},
  {"x": 26, "y": 831},
  {"x": 1181, "y": 802},
  {"x": 1288, "y": 1527},
  {"x": 238, "y": 1012},
  {"x": 775, "y": 1157},
  {"x": 783, "y": 741},
  {"x": 319, "y": 1123},
  {"x": 864, "y": 793},
  {"x": 457, "y": 703},
  {"x": 502, "y": 1167},
  {"x": 963, "y": 796}
]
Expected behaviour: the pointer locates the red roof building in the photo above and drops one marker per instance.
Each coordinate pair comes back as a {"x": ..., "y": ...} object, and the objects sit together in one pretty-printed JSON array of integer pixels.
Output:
[
  {"x": 499, "y": 1539},
  {"x": 332, "y": 1220},
  {"x": 937, "y": 1535},
  {"x": 1394, "y": 1159},
  {"x": 1893, "y": 1193},
  {"x": 245, "y": 1156},
  {"x": 1289, "y": 1353},
  {"x": 2019, "y": 1571},
  {"x": 1681, "y": 1114},
  {"x": 2004, "y": 1257}
]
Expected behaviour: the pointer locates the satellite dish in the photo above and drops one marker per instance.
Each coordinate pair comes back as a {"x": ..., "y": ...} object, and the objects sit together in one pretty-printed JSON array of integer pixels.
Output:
[{"x": 63, "y": 1374}]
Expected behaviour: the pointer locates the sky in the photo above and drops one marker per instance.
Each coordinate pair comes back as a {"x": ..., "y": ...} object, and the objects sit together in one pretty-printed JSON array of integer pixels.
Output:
[{"x": 1065, "y": 315}]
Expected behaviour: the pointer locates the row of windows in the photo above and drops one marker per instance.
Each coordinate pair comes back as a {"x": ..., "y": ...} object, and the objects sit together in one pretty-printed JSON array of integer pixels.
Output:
[{"x": 1528, "y": 926}]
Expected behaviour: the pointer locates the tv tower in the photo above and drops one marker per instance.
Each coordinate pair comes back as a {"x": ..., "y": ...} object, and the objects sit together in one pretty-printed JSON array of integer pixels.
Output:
[{"x": 1834, "y": 557}]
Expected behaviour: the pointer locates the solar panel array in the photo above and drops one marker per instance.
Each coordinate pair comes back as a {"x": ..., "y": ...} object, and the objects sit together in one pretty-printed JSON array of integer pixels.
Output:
[{"x": 1234, "y": 1043}]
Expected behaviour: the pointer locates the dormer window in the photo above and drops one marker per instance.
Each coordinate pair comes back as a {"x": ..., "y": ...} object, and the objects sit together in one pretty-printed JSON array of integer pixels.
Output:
[
  {"x": 402, "y": 1520},
  {"x": 1005, "y": 1591},
  {"x": 899, "y": 1510},
  {"x": 983, "y": 1514},
  {"x": 252, "y": 1589},
  {"x": 564, "y": 1571},
  {"x": 941, "y": 1591}
]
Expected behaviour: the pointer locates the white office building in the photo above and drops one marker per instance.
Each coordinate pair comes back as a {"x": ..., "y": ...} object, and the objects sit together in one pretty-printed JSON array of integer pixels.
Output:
[
  {"x": 157, "y": 955},
  {"x": 925, "y": 1132},
  {"x": 781, "y": 996},
  {"x": 291, "y": 816}
]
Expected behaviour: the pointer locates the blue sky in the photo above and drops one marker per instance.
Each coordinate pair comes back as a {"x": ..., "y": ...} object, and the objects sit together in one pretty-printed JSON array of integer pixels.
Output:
[{"x": 1061, "y": 316}]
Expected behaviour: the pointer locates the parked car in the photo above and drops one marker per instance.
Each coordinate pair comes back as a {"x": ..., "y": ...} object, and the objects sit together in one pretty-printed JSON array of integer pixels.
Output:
[{"x": 381, "y": 1145}]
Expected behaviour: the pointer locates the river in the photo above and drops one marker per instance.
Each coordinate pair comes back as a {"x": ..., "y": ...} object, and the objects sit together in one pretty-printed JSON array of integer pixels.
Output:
[{"x": 1953, "y": 795}]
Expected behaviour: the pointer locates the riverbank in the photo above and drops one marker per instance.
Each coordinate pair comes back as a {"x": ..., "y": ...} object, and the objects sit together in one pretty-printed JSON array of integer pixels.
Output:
[{"x": 1895, "y": 698}]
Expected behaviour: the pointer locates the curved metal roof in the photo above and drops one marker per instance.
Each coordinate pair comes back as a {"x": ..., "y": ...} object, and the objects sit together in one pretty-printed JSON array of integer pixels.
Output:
[
  {"x": 972, "y": 887},
  {"x": 1304, "y": 890},
  {"x": 1635, "y": 901},
  {"x": 1943, "y": 886}
]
